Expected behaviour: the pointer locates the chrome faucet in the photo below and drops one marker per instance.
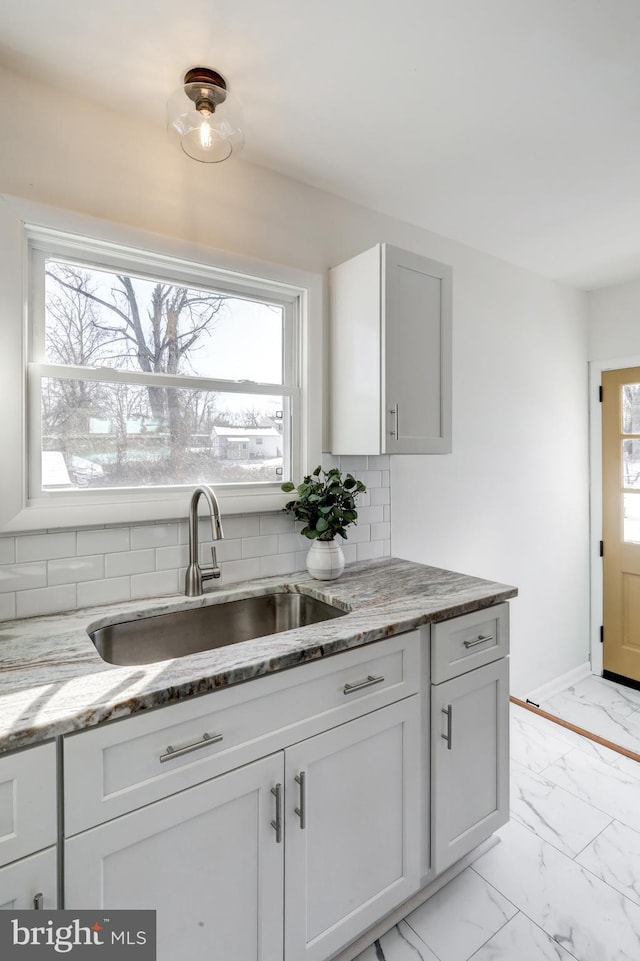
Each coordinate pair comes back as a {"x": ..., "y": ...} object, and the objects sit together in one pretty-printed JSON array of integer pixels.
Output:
[{"x": 196, "y": 574}]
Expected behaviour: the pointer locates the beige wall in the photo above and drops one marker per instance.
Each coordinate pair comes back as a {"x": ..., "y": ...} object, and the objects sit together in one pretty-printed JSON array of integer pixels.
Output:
[{"x": 511, "y": 501}]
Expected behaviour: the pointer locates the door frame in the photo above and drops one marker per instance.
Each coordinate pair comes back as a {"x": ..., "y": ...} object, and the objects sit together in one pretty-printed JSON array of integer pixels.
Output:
[{"x": 596, "y": 368}]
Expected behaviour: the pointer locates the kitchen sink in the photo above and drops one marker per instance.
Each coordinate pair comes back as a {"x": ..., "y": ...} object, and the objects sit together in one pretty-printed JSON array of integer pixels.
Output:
[{"x": 159, "y": 637}]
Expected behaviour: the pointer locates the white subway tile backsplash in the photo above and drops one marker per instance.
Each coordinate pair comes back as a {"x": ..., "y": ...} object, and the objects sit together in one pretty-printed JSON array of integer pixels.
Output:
[
  {"x": 7, "y": 607},
  {"x": 7, "y": 550},
  {"x": 260, "y": 546},
  {"x": 380, "y": 495},
  {"x": 240, "y": 570},
  {"x": 173, "y": 557},
  {"x": 276, "y": 523},
  {"x": 368, "y": 550},
  {"x": 112, "y": 590},
  {"x": 154, "y": 535},
  {"x": 22, "y": 577},
  {"x": 277, "y": 564},
  {"x": 370, "y": 515},
  {"x": 123, "y": 563},
  {"x": 380, "y": 532},
  {"x": 354, "y": 464},
  {"x": 44, "y": 547},
  {"x": 359, "y": 533},
  {"x": 46, "y": 600},
  {"x": 226, "y": 550},
  {"x": 242, "y": 526},
  {"x": 49, "y": 572},
  {"x": 350, "y": 552},
  {"x": 372, "y": 478},
  {"x": 156, "y": 583},
  {"x": 103, "y": 541},
  {"x": 379, "y": 462},
  {"x": 72, "y": 570},
  {"x": 292, "y": 542}
]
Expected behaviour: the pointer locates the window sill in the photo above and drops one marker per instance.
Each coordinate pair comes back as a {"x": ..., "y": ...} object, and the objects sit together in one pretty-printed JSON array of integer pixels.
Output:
[{"x": 142, "y": 510}]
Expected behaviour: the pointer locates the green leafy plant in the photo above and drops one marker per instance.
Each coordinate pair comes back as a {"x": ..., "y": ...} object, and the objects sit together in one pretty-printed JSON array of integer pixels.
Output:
[{"x": 326, "y": 503}]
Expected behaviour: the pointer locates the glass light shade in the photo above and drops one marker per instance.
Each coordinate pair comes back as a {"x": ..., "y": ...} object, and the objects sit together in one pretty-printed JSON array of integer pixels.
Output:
[{"x": 209, "y": 135}]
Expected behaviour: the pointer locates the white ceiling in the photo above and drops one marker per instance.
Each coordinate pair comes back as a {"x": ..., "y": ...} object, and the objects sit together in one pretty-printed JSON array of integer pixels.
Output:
[{"x": 509, "y": 125}]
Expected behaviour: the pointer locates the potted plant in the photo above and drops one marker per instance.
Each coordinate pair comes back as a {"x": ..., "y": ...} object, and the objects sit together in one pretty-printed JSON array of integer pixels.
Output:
[{"x": 326, "y": 503}]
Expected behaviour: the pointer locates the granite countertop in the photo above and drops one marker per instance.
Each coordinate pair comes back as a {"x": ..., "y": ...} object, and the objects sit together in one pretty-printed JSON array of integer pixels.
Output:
[{"x": 52, "y": 680}]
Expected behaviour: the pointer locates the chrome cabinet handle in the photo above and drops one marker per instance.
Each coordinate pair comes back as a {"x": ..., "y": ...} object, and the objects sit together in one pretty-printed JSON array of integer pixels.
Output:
[
  {"x": 370, "y": 681},
  {"x": 480, "y": 639},
  {"x": 301, "y": 779},
  {"x": 448, "y": 712},
  {"x": 396, "y": 422},
  {"x": 277, "y": 824},
  {"x": 38, "y": 901},
  {"x": 173, "y": 752}
]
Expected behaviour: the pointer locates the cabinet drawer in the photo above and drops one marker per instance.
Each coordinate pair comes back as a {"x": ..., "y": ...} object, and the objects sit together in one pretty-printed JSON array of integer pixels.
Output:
[
  {"x": 28, "y": 815},
  {"x": 118, "y": 767},
  {"x": 467, "y": 642}
]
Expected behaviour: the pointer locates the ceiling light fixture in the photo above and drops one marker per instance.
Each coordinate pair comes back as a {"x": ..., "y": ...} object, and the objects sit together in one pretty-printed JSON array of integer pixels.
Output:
[{"x": 198, "y": 121}]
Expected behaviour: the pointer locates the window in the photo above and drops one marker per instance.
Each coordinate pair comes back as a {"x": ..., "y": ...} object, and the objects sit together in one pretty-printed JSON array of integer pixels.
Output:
[{"x": 149, "y": 373}]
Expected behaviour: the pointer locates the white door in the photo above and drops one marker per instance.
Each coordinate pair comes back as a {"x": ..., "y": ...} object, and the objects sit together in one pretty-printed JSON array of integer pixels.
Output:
[
  {"x": 207, "y": 860},
  {"x": 352, "y": 824},
  {"x": 469, "y": 760},
  {"x": 30, "y": 883}
]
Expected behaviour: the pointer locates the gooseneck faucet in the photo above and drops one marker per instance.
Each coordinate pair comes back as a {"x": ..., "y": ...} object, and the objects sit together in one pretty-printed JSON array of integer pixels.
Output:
[{"x": 196, "y": 574}]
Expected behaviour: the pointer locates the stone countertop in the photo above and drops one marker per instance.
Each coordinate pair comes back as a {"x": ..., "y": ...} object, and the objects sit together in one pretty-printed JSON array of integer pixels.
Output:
[{"x": 52, "y": 680}]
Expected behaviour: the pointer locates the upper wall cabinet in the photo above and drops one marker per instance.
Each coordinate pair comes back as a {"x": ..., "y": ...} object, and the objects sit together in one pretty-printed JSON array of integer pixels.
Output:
[{"x": 390, "y": 354}]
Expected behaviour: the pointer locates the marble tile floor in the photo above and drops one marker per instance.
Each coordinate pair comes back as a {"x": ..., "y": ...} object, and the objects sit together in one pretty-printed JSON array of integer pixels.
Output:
[
  {"x": 564, "y": 881},
  {"x": 602, "y": 707}
]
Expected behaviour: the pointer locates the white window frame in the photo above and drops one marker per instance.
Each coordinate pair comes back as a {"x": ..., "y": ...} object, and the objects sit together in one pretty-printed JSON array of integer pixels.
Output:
[{"x": 25, "y": 227}]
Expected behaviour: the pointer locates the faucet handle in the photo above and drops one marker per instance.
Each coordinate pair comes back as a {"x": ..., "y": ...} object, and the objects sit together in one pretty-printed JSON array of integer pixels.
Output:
[{"x": 213, "y": 571}]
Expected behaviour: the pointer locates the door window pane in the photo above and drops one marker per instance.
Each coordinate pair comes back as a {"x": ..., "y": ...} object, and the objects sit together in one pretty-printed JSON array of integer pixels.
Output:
[
  {"x": 631, "y": 463},
  {"x": 632, "y": 518},
  {"x": 631, "y": 409}
]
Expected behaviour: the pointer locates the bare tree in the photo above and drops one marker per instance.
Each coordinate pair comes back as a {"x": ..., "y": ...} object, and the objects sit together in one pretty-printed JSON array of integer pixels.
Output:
[{"x": 100, "y": 324}]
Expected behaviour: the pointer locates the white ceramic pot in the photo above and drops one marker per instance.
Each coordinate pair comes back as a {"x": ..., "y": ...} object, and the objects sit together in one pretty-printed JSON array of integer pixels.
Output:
[{"x": 325, "y": 560}]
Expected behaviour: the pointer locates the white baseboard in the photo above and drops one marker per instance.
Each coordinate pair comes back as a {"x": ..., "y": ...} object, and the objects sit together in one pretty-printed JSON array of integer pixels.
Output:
[{"x": 561, "y": 683}]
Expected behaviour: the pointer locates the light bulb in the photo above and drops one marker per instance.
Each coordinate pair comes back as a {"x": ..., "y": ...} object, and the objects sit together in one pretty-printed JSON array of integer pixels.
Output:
[{"x": 206, "y": 139}]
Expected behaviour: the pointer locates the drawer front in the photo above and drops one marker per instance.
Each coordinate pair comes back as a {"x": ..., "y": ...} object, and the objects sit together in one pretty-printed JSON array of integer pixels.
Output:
[
  {"x": 467, "y": 642},
  {"x": 119, "y": 767},
  {"x": 28, "y": 812}
]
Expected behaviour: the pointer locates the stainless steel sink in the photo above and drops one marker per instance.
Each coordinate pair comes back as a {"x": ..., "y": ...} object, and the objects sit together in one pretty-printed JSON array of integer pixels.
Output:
[{"x": 178, "y": 633}]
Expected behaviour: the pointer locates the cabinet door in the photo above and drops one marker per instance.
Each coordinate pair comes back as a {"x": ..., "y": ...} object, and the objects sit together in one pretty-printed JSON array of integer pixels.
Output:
[
  {"x": 207, "y": 860},
  {"x": 29, "y": 883},
  {"x": 417, "y": 352},
  {"x": 469, "y": 760},
  {"x": 352, "y": 851}
]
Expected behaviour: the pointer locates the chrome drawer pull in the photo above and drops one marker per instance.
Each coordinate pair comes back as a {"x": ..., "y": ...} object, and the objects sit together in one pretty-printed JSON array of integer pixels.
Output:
[
  {"x": 277, "y": 824},
  {"x": 395, "y": 433},
  {"x": 179, "y": 751},
  {"x": 480, "y": 639},
  {"x": 38, "y": 902},
  {"x": 370, "y": 681},
  {"x": 448, "y": 712},
  {"x": 301, "y": 779}
]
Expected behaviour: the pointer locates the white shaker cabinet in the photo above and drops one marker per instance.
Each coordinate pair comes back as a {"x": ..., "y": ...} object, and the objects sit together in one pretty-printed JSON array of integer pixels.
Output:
[
  {"x": 293, "y": 854},
  {"x": 206, "y": 859},
  {"x": 28, "y": 829},
  {"x": 352, "y": 829},
  {"x": 390, "y": 354},
  {"x": 469, "y": 733}
]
